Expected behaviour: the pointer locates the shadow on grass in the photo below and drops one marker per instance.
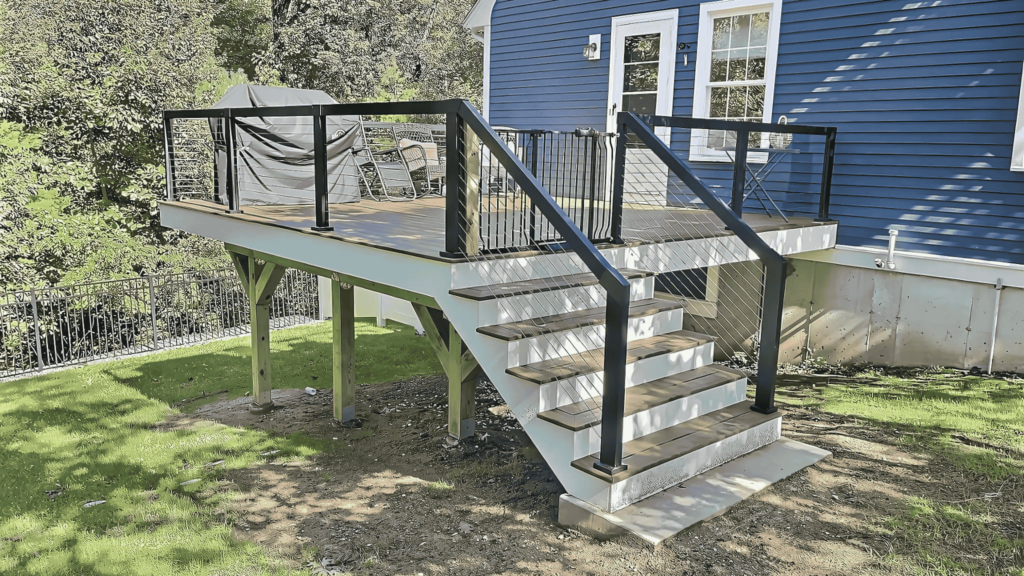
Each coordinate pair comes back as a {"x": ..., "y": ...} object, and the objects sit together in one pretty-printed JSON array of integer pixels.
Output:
[
  {"x": 300, "y": 357},
  {"x": 87, "y": 434}
]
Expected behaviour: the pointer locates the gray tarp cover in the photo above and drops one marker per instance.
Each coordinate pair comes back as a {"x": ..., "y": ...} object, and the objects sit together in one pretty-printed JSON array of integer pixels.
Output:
[{"x": 274, "y": 160}]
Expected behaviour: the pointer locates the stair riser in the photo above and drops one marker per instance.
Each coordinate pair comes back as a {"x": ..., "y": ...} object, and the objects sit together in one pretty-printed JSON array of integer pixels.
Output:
[
  {"x": 569, "y": 342},
  {"x": 562, "y": 392},
  {"x": 529, "y": 306},
  {"x": 636, "y": 488},
  {"x": 531, "y": 267},
  {"x": 588, "y": 441}
]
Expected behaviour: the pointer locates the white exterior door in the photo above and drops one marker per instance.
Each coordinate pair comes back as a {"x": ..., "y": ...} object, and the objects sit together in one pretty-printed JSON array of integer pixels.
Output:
[{"x": 642, "y": 80}]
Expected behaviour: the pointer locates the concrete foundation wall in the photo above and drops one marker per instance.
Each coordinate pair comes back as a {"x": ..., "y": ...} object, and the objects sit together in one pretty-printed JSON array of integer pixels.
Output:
[{"x": 846, "y": 314}]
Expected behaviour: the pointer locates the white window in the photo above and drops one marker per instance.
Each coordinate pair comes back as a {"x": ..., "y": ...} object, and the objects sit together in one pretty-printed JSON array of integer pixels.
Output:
[
  {"x": 1017, "y": 157},
  {"x": 737, "y": 48}
]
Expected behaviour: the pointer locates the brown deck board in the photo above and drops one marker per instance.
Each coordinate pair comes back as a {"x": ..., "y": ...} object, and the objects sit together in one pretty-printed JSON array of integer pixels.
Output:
[
  {"x": 572, "y": 320},
  {"x": 593, "y": 361},
  {"x": 587, "y": 413},
  {"x": 665, "y": 445},
  {"x": 417, "y": 227}
]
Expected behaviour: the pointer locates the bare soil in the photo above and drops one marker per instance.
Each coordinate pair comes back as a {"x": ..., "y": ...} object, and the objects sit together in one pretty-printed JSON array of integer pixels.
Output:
[{"x": 395, "y": 497}]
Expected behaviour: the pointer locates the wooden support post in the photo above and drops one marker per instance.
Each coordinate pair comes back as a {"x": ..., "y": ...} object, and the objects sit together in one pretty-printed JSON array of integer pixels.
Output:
[
  {"x": 260, "y": 280},
  {"x": 343, "y": 309},
  {"x": 460, "y": 366}
]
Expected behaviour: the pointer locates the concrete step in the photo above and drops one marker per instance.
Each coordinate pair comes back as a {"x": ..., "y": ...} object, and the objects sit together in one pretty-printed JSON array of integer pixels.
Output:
[{"x": 669, "y": 456}]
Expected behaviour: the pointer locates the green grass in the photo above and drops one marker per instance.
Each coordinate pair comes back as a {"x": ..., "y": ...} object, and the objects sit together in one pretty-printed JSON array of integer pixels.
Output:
[
  {"x": 939, "y": 410},
  {"x": 91, "y": 429},
  {"x": 935, "y": 414},
  {"x": 300, "y": 357}
]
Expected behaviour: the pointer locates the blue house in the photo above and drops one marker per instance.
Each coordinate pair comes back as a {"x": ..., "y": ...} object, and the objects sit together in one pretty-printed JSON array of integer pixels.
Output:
[{"x": 928, "y": 183}]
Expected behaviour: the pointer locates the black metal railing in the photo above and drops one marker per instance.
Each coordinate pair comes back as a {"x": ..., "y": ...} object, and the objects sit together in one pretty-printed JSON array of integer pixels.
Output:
[
  {"x": 735, "y": 145},
  {"x": 632, "y": 127},
  {"x": 574, "y": 167}
]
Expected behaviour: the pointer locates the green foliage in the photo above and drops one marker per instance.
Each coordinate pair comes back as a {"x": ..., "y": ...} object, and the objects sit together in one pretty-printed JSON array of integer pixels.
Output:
[{"x": 359, "y": 50}]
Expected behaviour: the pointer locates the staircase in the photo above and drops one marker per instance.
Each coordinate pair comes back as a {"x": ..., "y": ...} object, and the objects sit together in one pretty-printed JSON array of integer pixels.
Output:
[{"x": 683, "y": 414}]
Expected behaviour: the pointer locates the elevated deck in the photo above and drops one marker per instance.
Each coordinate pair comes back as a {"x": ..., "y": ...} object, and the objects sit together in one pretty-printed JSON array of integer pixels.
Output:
[{"x": 417, "y": 228}]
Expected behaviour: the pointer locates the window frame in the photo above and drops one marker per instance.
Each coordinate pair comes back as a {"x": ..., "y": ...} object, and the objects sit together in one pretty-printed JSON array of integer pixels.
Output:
[
  {"x": 702, "y": 76},
  {"x": 1017, "y": 153}
]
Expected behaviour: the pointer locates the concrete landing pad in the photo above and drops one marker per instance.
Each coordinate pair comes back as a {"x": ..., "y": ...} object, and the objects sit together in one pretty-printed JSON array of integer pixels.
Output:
[{"x": 702, "y": 497}]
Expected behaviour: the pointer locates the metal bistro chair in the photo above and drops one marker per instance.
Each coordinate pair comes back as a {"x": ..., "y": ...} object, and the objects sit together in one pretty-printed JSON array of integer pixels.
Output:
[
  {"x": 422, "y": 156},
  {"x": 382, "y": 170}
]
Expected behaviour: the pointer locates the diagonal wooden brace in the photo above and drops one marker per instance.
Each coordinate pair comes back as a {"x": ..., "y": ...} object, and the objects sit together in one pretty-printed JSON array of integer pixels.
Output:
[
  {"x": 460, "y": 366},
  {"x": 260, "y": 280}
]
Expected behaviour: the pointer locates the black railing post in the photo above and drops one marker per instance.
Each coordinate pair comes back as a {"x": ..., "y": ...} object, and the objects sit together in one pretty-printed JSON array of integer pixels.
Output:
[
  {"x": 771, "y": 334},
  {"x": 169, "y": 157},
  {"x": 618, "y": 181},
  {"x": 827, "y": 165},
  {"x": 231, "y": 185},
  {"x": 323, "y": 216},
  {"x": 533, "y": 170},
  {"x": 593, "y": 184},
  {"x": 454, "y": 241},
  {"x": 739, "y": 171},
  {"x": 614, "y": 396}
]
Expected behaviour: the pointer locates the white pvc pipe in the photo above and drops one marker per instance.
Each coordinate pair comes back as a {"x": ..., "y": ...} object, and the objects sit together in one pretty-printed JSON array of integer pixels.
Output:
[{"x": 995, "y": 324}]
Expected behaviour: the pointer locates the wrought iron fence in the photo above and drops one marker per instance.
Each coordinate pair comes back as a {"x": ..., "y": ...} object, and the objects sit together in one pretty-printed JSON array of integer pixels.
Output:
[{"x": 64, "y": 325}]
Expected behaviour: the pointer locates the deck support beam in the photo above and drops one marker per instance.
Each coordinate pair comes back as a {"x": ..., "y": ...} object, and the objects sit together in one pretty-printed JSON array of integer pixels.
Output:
[
  {"x": 460, "y": 366},
  {"x": 344, "y": 345},
  {"x": 259, "y": 279}
]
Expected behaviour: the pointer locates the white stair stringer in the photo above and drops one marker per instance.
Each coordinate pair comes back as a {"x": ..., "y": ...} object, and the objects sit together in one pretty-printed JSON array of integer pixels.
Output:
[{"x": 568, "y": 342}]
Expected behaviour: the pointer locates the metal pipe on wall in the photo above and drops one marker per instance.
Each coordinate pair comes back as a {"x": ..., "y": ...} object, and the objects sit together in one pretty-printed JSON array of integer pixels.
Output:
[{"x": 995, "y": 324}]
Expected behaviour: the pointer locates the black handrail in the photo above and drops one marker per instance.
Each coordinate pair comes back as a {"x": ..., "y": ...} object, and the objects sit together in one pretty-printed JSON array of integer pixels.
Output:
[
  {"x": 774, "y": 263},
  {"x": 743, "y": 130}
]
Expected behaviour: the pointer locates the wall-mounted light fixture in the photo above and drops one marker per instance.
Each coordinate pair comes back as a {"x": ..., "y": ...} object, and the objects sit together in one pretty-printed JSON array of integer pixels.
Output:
[
  {"x": 592, "y": 51},
  {"x": 683, "y": 47}
]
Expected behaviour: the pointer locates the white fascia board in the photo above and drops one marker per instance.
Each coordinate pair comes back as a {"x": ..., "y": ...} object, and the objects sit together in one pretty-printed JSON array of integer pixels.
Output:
[
  {"x": 479, "y": 17},
  {"x": 918, "y": 264}
]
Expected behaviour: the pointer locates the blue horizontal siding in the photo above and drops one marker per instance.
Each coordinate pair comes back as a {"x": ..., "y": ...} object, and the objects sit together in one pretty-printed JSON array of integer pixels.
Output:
[{"x": 924, "y": 95}]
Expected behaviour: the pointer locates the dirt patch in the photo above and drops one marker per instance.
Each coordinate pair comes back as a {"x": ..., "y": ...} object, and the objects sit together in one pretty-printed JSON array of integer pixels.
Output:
[{"x": 394, "y": 497}]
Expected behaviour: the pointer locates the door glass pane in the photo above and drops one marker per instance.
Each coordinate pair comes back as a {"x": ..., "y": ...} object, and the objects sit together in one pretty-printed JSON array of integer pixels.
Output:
[
  {"x": 640, "y": 77},
  {"x": 640, "y": 103},
  {"x": 643, "y": 48}
]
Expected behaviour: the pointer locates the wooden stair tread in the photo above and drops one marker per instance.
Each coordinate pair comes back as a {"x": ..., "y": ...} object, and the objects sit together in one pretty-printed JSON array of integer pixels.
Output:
[
  {"x": 506, "y": 290},
  {"x": 643, "y": 397},
  {"x": 665, "y": 445},
  {"x": 571, "y": 320},
  {"x": 593, "y": 361}
]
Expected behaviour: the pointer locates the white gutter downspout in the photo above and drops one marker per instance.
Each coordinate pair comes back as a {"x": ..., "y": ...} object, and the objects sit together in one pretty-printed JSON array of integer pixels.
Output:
[{"x": 995, "y": 324}]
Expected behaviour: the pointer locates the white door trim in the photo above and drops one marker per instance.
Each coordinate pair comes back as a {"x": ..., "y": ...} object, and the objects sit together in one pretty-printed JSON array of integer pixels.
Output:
[{"x": 666, "y": 87}]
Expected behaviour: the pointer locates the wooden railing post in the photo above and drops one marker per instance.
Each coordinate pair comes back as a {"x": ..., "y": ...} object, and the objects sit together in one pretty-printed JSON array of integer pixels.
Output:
[
  {"x": 231, "y": 186},
  {"x": 454, "y": 148},
  {"x": 618, "y": 182},
  {"x": 169, "y": 159}
]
